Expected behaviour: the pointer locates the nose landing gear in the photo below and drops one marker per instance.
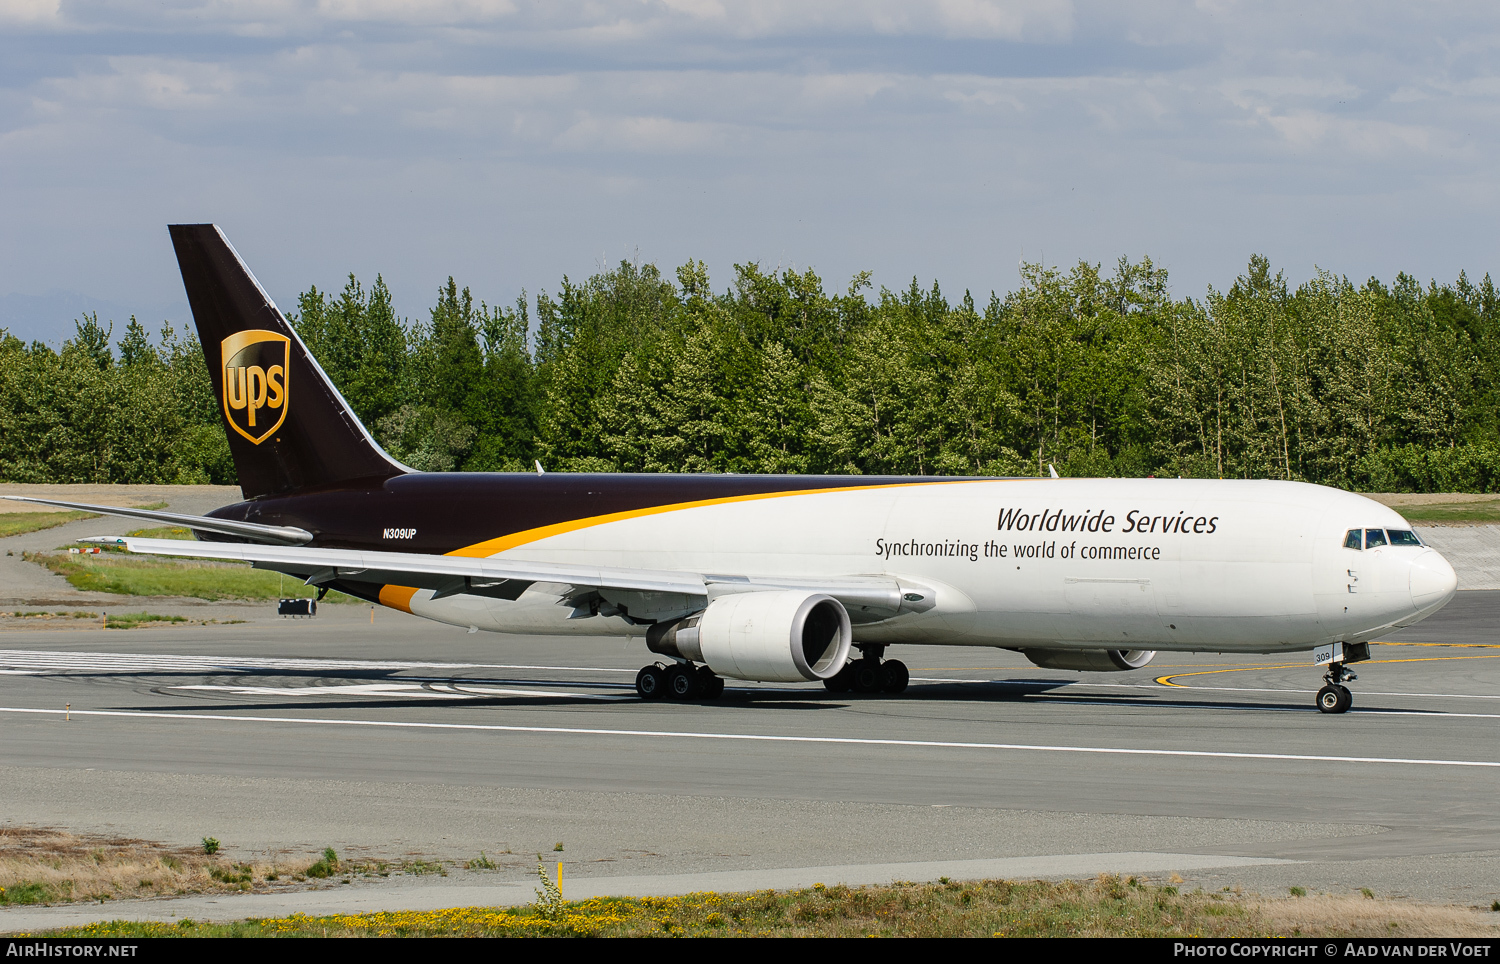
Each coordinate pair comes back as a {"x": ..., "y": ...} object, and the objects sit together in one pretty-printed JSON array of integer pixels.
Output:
[{"x": 1335, "y": 697}]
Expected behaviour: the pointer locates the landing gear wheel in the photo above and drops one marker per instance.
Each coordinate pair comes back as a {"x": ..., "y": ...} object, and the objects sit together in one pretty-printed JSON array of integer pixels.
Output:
[
  {"x": 839, "y": 682},
  {"x": 651, "y": 683},
  {"x": 894, "y": 676},
  {"x": 865, "y": 676},
  {"x": 682, "y": 682},
  {"x": 1334, "y": 699},
  {"x": 710, "y": 684}
]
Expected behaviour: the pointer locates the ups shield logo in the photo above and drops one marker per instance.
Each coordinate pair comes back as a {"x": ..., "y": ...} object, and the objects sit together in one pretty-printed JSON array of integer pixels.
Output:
[{"x": 255, "y": 382}]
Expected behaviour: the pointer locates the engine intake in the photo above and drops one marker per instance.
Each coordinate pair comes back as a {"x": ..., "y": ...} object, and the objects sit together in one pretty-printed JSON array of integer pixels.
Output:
[
  {"x": 785, "y": 636},
  {"x": 1091, "y": 660}
]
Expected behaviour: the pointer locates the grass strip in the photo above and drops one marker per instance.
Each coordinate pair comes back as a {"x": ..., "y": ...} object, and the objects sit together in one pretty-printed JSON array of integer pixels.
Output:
[
  {"x": 1108, "y": 906},
  {"x": 43, "y": 865},
  {"x": 136, "y": 620},
  {"x": 40, "y": 614},
  {"x": 18, "y": 523},
  {"x": 163, "y": 532},
  {"x": 1104, "y": 907},
  {"x": 1452, "y": 513},
  {"x": 128, "y": 575}
]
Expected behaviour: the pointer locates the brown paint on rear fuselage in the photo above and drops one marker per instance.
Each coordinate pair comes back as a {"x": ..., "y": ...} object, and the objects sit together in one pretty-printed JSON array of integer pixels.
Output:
[{"x": 451, "y": 511}]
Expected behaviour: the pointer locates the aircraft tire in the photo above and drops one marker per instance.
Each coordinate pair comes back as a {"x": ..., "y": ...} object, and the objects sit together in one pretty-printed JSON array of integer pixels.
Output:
[
  {"x": 1348, "y": 699},
  {"x": 864, "y": 675},
  {"x": 710, "y": 684},
  {"x": 1330, "y": 700},
  {"x": 839, "y": 682},
  {"x": 894, "y": 676},
  {"x": 683, "y": 682},
  {"x": 651, "y": 683}
]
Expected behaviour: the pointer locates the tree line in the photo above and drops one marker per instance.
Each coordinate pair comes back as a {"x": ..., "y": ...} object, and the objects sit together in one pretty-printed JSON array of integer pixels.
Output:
[{"x": 1372, "y": 386}]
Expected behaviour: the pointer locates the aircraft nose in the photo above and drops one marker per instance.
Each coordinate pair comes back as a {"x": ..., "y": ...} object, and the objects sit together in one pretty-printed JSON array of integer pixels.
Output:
[{"x": 1433, "y": 580}]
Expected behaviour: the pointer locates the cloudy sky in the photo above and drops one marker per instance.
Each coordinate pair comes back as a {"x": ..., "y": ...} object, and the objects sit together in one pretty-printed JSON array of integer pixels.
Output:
[{"x": 509, "y": 143}]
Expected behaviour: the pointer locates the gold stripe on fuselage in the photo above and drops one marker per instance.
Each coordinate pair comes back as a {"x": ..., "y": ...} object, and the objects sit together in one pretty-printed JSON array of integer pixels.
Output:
[
  {"x": 492, "y": 547},
  {"x": 399, "y": 597}
]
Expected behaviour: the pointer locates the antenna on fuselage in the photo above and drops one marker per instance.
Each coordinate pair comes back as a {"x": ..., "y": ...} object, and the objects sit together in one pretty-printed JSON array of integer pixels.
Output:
[{"x": 539, "y": 469}]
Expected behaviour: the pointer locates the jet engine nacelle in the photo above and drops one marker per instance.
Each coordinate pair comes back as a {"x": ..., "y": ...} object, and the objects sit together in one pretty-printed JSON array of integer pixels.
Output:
[
  {"x": 1092, "y": 660},
  {"x": 786, "y": 636}
]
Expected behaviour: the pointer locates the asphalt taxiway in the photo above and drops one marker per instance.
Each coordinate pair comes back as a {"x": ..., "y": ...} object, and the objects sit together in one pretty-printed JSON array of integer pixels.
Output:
[{"x": 404, "y": 737}]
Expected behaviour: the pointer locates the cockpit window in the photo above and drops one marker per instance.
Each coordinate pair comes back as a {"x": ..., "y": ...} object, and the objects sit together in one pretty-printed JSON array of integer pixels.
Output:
[
  {"x": 1352, "y": 540},
  {"x": 1374, "y": 537},
  {"x": 1403, "y": 537}
]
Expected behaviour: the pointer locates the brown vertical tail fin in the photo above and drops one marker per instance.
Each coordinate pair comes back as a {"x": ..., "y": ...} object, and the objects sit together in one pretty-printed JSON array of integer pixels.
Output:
[{"x": 288, "y": 426}]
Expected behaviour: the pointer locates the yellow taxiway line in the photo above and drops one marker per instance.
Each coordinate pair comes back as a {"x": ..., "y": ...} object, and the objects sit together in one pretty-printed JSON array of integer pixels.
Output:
[{"x": 1167, "y": 680}]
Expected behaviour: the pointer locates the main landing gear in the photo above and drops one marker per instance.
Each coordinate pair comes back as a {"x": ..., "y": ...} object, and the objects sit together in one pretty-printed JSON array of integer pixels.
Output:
[
  {"x": 1335, "y": 697},
  {"x": 870, "y": 674},
  {"x": 679, "y": 681}
]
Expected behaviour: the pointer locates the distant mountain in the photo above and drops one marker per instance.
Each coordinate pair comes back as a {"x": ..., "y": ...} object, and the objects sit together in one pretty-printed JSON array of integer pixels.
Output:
[{"x": 49, "y": 317}]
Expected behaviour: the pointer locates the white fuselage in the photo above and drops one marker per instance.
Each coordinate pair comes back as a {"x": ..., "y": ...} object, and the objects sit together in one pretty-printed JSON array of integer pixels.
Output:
[{"x": 1143, "y": 564}]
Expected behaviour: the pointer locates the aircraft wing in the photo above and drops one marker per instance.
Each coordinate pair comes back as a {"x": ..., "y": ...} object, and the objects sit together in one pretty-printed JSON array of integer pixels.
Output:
[
  {"x": 447, "y": 575},
  {"x": 283, "y": 549},
  {"x": 869, "y": 597}
]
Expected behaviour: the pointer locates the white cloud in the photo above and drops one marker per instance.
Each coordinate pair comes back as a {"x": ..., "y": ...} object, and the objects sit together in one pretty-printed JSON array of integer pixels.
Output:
[
  {"x": 1037, "y": 20},
  {"x": 936, "y": 136},
  {"x": 425, "y": 12},
  {"x": 1307, "y": 130},
  {"x": 29, "y": 11},
  {"x": 147, "y": 82},
  {"x": 644, "y": 135},
  {"x": 1268, "y": 88},
  {"x": 698, "y": 9},
  {"x": 595, "y": 20}
]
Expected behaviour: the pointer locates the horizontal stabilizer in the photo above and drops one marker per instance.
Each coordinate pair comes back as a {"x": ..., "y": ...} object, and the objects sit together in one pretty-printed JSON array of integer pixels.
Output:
[{"x": 255, "y": 532}]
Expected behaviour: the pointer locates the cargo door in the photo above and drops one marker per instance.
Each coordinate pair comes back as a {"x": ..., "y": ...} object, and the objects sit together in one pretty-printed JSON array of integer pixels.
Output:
[{"x": 1107, "y": 610}]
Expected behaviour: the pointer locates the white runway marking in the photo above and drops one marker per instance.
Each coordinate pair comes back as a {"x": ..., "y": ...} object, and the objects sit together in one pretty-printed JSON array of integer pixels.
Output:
[
  {"x": 34, "y": 660},
  {"x": 1158, "y": 688},
  {"x": 396, "y": 690},
  {"x": 1357, "y": 692},
  {"x": 466, "y": 682},
  {"x": 1240, "y": 708},
  {"x": 370, "y": 689},
  {"x": 31, "y": 662},
  {"x": 471, "y": 690},
  {"x": 1428, "y": 714},
  {"x": 764, "y": 738}
]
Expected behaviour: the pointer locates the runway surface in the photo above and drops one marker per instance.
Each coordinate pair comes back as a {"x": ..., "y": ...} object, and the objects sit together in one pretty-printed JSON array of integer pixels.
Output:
[{"x": 409, "y": 738}]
